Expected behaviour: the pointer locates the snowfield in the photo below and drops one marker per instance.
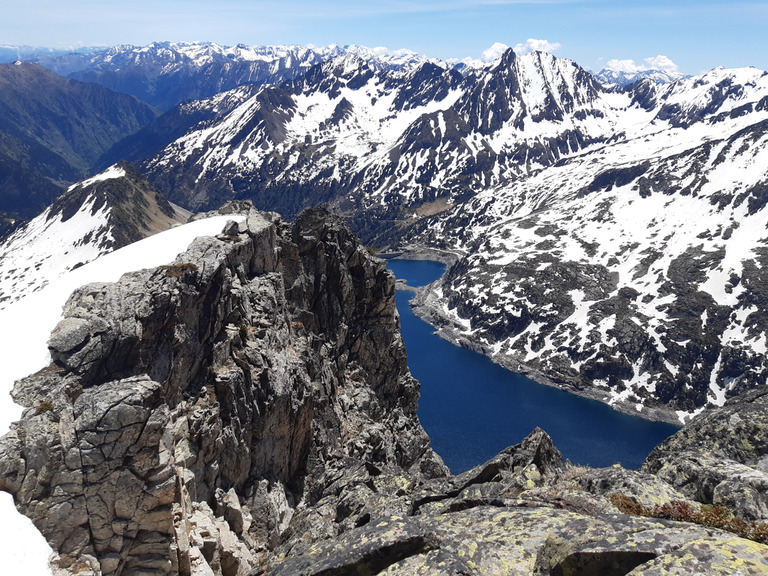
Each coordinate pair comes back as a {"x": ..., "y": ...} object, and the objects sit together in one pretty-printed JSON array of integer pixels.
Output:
[{"x": 27, "y": 324}]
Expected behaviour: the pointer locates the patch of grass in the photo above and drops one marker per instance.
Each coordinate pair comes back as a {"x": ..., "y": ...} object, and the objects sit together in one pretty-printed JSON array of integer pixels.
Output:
[
  {"x": 707, "y": 515},
  {"x": 210, "y": 389},
  {"x": 178, "y": 270},
  {"x": 44, "y": 406}
]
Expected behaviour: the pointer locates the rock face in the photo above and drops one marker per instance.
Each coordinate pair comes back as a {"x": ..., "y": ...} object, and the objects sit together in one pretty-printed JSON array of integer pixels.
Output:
[
  {"x": 248, "y": 409},
  {"x": 721, "y": 458},
  {"x": 524, "y": 512},
  {"x": 192, "y": 409}
]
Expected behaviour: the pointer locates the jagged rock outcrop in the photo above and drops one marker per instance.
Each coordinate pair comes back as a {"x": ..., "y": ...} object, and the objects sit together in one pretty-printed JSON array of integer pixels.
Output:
[
  {"x": 525, "y": 512},
  {"x": 248, "y": 410},
  {"x": 721, "y": 457},
  {"x": 192, "y": 409}
]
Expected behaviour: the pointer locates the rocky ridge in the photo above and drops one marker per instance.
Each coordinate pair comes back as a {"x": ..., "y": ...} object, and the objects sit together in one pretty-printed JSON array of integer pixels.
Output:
[
  {"x": 526, "y": 512},
  {"x": 248, "y": 410},
  {"x": 246, "y": 375}
]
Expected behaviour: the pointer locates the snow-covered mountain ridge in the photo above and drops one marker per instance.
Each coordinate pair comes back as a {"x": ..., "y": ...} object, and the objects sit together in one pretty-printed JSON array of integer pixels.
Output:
[
  {"x": 632, "y": 269},
  {"x": 169, "y": 73},
  {"x": 92, "y": 218},
  {"x": 385, "y": 140},
  {"x": 389, "y": 146},
  {"x": 619, "y": 78}
]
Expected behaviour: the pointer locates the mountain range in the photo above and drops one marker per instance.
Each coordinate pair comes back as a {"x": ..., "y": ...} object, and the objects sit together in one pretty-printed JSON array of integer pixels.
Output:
[
  {"x": 619, "y": 78},
  {"x": 247, "y": 408},
  {"x": 566, "y": 205},
  {"x": 165, "y": 74}
]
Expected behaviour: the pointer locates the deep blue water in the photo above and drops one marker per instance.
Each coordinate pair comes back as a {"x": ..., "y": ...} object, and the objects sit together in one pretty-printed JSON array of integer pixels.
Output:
[{"x": 472, "y": 408}]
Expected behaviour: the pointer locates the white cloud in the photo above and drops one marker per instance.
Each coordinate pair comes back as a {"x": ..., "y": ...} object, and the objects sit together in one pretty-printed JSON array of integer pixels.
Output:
[
  {"x": 494, "y": 52},
  {"x": 625, "y": 66},
  {"x": 662, "y": 63},
  {"x": 534, "y": 44},
  {"x": 659, "y": 62}
]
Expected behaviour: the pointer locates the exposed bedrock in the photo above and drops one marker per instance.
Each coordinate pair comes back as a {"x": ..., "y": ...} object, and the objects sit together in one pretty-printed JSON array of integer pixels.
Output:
[
  {"x": 235, "y": 384},
  {"x": 248, "y": 410}
]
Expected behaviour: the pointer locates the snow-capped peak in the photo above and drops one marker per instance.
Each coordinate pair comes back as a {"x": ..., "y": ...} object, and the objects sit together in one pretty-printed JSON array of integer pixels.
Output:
[
  {"x": 660, "y": 69},
  {"x": 114, "y": 171}
]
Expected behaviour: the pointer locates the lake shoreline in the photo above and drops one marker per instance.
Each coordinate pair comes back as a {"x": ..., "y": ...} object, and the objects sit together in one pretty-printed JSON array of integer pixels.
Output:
[
  {"x": 444, "y": 327},
  {"x": 425, "y": 305}
]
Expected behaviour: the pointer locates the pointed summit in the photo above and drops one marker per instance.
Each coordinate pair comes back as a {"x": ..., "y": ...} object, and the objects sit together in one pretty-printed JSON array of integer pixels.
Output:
[{"x": 495, "y": 52}]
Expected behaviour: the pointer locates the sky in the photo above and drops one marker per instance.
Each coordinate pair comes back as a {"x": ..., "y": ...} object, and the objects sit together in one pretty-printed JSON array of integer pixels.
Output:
[{"x": 694, "y": 35}]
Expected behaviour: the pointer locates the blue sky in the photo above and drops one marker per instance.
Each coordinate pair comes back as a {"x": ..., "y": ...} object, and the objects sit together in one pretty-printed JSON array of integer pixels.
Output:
[{"x": 695, "y": 35}]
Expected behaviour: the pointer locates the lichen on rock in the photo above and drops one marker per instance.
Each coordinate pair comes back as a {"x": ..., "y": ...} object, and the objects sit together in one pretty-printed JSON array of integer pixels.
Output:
[{"x": 248, "y": 409}]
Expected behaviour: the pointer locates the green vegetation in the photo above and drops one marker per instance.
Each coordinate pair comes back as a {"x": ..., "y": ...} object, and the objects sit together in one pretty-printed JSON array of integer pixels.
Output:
[{"x": 44, "y": 406}]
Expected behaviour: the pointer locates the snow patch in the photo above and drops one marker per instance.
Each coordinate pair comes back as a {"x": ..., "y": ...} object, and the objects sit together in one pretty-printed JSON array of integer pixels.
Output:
[
  {"x": 108, "y": 174},
  {"x": 24, "y": 343}
]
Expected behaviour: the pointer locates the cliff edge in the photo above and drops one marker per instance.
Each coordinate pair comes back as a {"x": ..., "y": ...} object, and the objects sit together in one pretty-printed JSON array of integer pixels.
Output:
[{"x": 248, "y": 410}]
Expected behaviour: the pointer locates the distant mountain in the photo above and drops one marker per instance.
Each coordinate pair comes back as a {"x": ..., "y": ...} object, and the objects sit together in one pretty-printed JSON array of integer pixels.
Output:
[
  {"x": 621, "y": 79},
  {"x": 10, "y": 54},
  {"x": 94, "y": 217},
  {"x": 165, "y": 74},
  {"x": 52, "y": 130}
]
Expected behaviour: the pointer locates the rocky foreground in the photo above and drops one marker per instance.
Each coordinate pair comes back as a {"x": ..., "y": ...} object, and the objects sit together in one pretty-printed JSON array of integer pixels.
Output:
[{"x": 248, "y": 410}]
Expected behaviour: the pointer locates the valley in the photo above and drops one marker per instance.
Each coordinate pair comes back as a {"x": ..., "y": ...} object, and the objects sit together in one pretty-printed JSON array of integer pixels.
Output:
[{"x": 231, "y": 394}]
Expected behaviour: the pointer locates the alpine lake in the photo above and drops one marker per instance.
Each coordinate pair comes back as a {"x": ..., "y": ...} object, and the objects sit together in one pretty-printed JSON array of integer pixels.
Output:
[{"x": 472, "y": 408}]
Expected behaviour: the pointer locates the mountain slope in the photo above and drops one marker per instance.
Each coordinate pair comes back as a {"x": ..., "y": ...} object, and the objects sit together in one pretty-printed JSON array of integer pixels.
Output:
[
  {"x": 173, "y": 125},
  {"x": 94, "y": 217},
  {"x": 52, "y": 130},
  {"x": 631, "y": 272}
]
